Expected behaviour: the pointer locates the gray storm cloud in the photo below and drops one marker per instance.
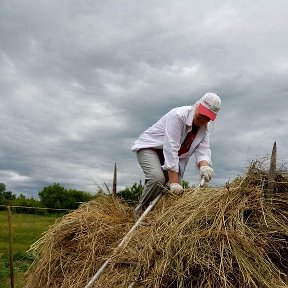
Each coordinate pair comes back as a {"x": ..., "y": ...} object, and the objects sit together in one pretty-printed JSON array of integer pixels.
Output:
[{"x": 80, "y": 80}]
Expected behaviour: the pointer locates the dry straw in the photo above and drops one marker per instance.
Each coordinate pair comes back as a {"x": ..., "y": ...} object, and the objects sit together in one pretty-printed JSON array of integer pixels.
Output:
[{"x": 232, "y": 236}]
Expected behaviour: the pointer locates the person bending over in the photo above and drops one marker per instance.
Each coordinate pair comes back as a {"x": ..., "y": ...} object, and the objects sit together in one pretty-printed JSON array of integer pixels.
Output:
[{"x": 164, "y": 149}]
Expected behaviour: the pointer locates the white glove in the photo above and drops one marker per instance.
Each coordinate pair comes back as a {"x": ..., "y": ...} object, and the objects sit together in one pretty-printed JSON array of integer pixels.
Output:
[
  {"x": 206, "y": 172},
  {"x": 176, "y": 189}
]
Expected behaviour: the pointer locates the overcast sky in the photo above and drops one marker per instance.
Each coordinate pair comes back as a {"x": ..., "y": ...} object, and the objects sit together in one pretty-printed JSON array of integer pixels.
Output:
[{"x": 80, "y": 80}]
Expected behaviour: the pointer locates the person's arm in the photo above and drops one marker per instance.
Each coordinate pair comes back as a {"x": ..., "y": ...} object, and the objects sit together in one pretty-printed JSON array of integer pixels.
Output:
[
  {"x": 204, "y": 159},
  {"x": 203, "y": 163},
  {"x": 203, "y": 151},
  {"x": 206, "y": 171},
  {"x": 172, "y": 139},
  {"x": 174, "y": 185},
  {"x": 173, "y": 176}
]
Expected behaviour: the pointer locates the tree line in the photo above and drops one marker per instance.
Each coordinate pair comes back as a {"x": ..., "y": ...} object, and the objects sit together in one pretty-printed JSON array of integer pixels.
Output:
[{"x": 58, "y": 197}]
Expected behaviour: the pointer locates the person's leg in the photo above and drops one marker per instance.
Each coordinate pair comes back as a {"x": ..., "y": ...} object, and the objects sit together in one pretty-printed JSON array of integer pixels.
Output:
[{"x": 154, "y": 177}]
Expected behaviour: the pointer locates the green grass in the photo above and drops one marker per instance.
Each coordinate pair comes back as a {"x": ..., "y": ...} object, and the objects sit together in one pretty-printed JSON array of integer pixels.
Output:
[{"x": 26, "y": 229}]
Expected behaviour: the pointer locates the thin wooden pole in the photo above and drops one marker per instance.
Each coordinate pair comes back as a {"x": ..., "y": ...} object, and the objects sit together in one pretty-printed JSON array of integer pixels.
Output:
[
  {"x": 124, "y": 241},
  {"x": 10, "y": 247},
  {"x": 114, "y": 188},
  {"x": 272, "y": 170}
]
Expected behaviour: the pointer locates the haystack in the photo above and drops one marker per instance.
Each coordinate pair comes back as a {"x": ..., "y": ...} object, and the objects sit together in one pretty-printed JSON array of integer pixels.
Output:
[{"x": 232, "y": 236}]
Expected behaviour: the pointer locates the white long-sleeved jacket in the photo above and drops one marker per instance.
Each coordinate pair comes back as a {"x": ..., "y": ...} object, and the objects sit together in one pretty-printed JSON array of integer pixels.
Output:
[{"x": 169, "y": 132}]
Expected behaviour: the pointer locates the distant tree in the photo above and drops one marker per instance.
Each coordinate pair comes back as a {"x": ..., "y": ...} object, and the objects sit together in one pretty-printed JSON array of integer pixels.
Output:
[
  {"x": 131, "y": 195},
  {"x": 26, "y": 202},
  {"x": 77, "y": 197},
  {"x": 6, "y": 197},
  {"x": 2, "y": 187},
  {"x": 56, "y": 196},
  {"x": 52, "y": 196}
]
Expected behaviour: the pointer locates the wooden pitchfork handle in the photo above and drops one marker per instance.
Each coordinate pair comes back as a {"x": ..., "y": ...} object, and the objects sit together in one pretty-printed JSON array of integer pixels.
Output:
[{"x": 124, "y": 241}]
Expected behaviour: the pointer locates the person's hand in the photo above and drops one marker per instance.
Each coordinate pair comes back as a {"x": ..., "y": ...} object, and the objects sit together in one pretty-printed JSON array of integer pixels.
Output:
[
  {"x": 206, "y": 172},
  {"x": 176, "y": 189}
]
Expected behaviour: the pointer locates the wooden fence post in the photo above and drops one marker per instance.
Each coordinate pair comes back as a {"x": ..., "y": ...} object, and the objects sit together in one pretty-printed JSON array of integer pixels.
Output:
[
  {"x": 10, "y": 247},
  {"x": 272, "y": 170},
  {"x": 114, "y": 188}
]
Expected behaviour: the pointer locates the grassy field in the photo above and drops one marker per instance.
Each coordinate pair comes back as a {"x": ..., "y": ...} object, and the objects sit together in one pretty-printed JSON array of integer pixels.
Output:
[{"x": 26, "y": 230}]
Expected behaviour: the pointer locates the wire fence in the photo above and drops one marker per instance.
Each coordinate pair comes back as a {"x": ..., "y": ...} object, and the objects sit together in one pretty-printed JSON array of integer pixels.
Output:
[{"x": 19, "y": 230}]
